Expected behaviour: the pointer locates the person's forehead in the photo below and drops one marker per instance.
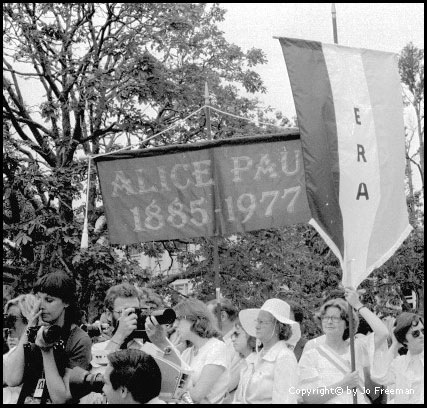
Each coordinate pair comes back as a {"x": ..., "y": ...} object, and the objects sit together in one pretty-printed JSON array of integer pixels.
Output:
[
  {"x": 43, "y": 295},
  {"x": 263, "y": 314},
  {"x": 124, "y": 303},
  {"x": 333, "y": 311}
]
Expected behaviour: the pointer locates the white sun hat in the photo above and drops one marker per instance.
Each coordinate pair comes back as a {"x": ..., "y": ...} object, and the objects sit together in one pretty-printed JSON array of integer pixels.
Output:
[{"x": 280, "y": 311}]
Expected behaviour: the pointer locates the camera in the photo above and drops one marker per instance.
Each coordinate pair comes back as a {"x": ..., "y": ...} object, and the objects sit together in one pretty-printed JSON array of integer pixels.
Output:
[
  {"x": 83, "y": 382},
  {"x": 93, "y": 330},
  {"x": 164, "y": 316},
  {"x": 51, "y": 334}
]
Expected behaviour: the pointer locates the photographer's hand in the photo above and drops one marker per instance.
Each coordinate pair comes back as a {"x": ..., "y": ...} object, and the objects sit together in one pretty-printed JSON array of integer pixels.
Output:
[
  {"x": 127, "y": 324},
  {"x": 156, "y": 332},
  {"x": 40, "y": 342}
]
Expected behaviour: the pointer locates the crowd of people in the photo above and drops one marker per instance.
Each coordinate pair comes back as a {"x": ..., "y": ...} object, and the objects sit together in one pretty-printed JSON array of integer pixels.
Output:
[{"x": 208, "y": 353}]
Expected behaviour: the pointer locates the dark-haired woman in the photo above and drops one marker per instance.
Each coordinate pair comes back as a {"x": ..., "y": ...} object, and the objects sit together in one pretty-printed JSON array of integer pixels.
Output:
[
  {"x": 403, "y": 374},
  {"x": 42, "y": 367},
  {"x": 325, "y": 370}
]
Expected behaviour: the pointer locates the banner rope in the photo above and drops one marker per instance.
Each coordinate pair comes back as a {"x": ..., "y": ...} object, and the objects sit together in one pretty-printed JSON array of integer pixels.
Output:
[
  {"x": 247, "y": 119},
  {"x": 85, "y": 235}
]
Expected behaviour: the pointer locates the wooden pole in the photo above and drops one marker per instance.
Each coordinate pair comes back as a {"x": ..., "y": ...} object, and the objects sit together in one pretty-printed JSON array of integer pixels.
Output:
[
  {"x": 214, "y": 238},
  {"x": 334, "y": 23},
  {"x": 351, "y": 334}
]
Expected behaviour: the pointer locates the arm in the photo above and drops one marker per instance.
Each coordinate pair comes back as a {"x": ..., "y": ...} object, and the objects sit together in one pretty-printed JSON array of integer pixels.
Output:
[
  {"x": 78, "y": 354},
  {"x": 208, "y": 378},
  {"x": 285, "y": 380},
  {"x": 127, "y": 324},
  {"x": 382, "y": 369},
  {"x": 15, "y": 364},
  {"x": 378, "y": 327},
  {"x": 58, "y": 388}
]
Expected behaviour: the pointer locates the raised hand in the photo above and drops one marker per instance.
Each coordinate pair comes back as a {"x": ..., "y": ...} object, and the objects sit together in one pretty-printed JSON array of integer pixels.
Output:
[
  {"x": 352, "y": 297},
  {"x": 30, "y": 308},
  {"x": 127, "y": 324}
]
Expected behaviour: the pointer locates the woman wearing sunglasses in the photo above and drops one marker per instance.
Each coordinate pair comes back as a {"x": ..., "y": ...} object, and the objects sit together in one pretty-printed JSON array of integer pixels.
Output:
[
  {"x": 403, "y": 374},
  {"x": 15, "y": 323}
]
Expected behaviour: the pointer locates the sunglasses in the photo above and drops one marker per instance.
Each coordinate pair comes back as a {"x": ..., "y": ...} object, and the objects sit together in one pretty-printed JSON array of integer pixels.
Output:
[
  {"x": 9, "y": 321},
  {"x": 416, "y": 333}
]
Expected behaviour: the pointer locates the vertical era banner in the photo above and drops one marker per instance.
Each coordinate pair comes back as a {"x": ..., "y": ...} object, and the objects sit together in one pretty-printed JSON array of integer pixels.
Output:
[
  {"x": 203, "y": 189},
  {"x": 350, "y": 113}
]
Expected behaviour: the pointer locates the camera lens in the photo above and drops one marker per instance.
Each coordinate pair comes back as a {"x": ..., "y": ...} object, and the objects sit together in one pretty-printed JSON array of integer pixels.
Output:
[
  {"x": 166, "y": 316},
  {"x": 52, "y": 334}
]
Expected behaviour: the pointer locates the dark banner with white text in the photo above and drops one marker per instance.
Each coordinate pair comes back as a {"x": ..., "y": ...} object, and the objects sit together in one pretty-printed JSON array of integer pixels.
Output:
[{"x": 210, "y": 188}]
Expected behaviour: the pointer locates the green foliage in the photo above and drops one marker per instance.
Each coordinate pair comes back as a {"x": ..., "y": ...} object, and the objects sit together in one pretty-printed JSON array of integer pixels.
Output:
[{"x": 111, "y": 74}]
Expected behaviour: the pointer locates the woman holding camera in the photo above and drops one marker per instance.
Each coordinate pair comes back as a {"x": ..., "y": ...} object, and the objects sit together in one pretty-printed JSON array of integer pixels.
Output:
[{"x": 42, "y": 364}]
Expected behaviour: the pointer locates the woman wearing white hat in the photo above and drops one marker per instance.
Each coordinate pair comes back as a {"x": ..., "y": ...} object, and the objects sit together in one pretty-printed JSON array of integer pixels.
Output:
[{"x": 271, "y": 374}]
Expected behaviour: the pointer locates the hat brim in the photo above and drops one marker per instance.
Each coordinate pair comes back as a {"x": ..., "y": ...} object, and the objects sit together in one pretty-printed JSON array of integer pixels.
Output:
[{"x": 248, "y": 317}]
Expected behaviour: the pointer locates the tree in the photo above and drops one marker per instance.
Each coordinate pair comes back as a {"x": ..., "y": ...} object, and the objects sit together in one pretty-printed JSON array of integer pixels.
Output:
[
  {"x": 411, "y": 68},
  {"x": 106, "y": 75}
]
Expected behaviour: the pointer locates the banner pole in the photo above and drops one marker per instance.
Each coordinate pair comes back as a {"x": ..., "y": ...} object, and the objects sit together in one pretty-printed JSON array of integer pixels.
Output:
[
  {"x": 214, "y": 238},
  {"x": 334, "y": 23},
  {"x": 350, "y": 308},
  {"x": 351, "y": 334}
]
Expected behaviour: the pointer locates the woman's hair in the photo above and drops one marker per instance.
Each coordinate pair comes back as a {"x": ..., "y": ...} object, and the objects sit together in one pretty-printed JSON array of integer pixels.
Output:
[
  {"x": 203, "y": 321},
  {"x": 342, "y": 305},
  {"x": 59, "y": 284},
  {"x": 285, "y": 330},
  {"x": 226, "y": 306},
  {"x": 403, "y": 323},
  {"x": 250, "y": 340},
  {"x": 16, "y": 302}
]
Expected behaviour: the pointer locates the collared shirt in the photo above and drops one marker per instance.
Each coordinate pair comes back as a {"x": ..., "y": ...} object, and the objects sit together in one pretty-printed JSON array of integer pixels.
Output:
[
  {"x": 156, "y": 400},
  {"x": 270, "y": 377},
  {"x": 403, "y": 376}
]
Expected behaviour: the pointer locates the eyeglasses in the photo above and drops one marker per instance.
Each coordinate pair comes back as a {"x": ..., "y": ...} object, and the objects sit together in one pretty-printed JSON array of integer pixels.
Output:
[
  {"x": 263, "y": 322},
  {"x": 334, "y": 319},
  {"x": 235, "y": 335},
  {"x": 416, "y": 333}
]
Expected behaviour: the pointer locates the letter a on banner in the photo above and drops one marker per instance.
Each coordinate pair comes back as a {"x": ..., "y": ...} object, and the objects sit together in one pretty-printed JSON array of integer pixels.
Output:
[{"x": 350, "y": 113}]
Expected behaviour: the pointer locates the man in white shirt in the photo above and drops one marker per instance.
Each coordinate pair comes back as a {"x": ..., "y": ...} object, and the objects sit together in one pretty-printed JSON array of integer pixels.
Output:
[{"x": 120, "y": 302}]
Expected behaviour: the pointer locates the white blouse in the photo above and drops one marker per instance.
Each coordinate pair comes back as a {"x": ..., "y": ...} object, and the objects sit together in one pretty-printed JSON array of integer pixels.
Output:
[
  {"x": 403, "y": 376},
  {"x": 212, "y": 352},
  {"x": 316, "y": 371},
  {"x": 270, "y": 377}
]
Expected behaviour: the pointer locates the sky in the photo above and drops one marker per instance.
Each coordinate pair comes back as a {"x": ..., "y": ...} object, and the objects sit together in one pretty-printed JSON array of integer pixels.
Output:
[{"x": 380, "y": 26}]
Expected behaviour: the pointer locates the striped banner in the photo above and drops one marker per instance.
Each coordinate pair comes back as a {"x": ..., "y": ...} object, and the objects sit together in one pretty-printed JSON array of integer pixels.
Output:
[{"x": 350, "y": 114}]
